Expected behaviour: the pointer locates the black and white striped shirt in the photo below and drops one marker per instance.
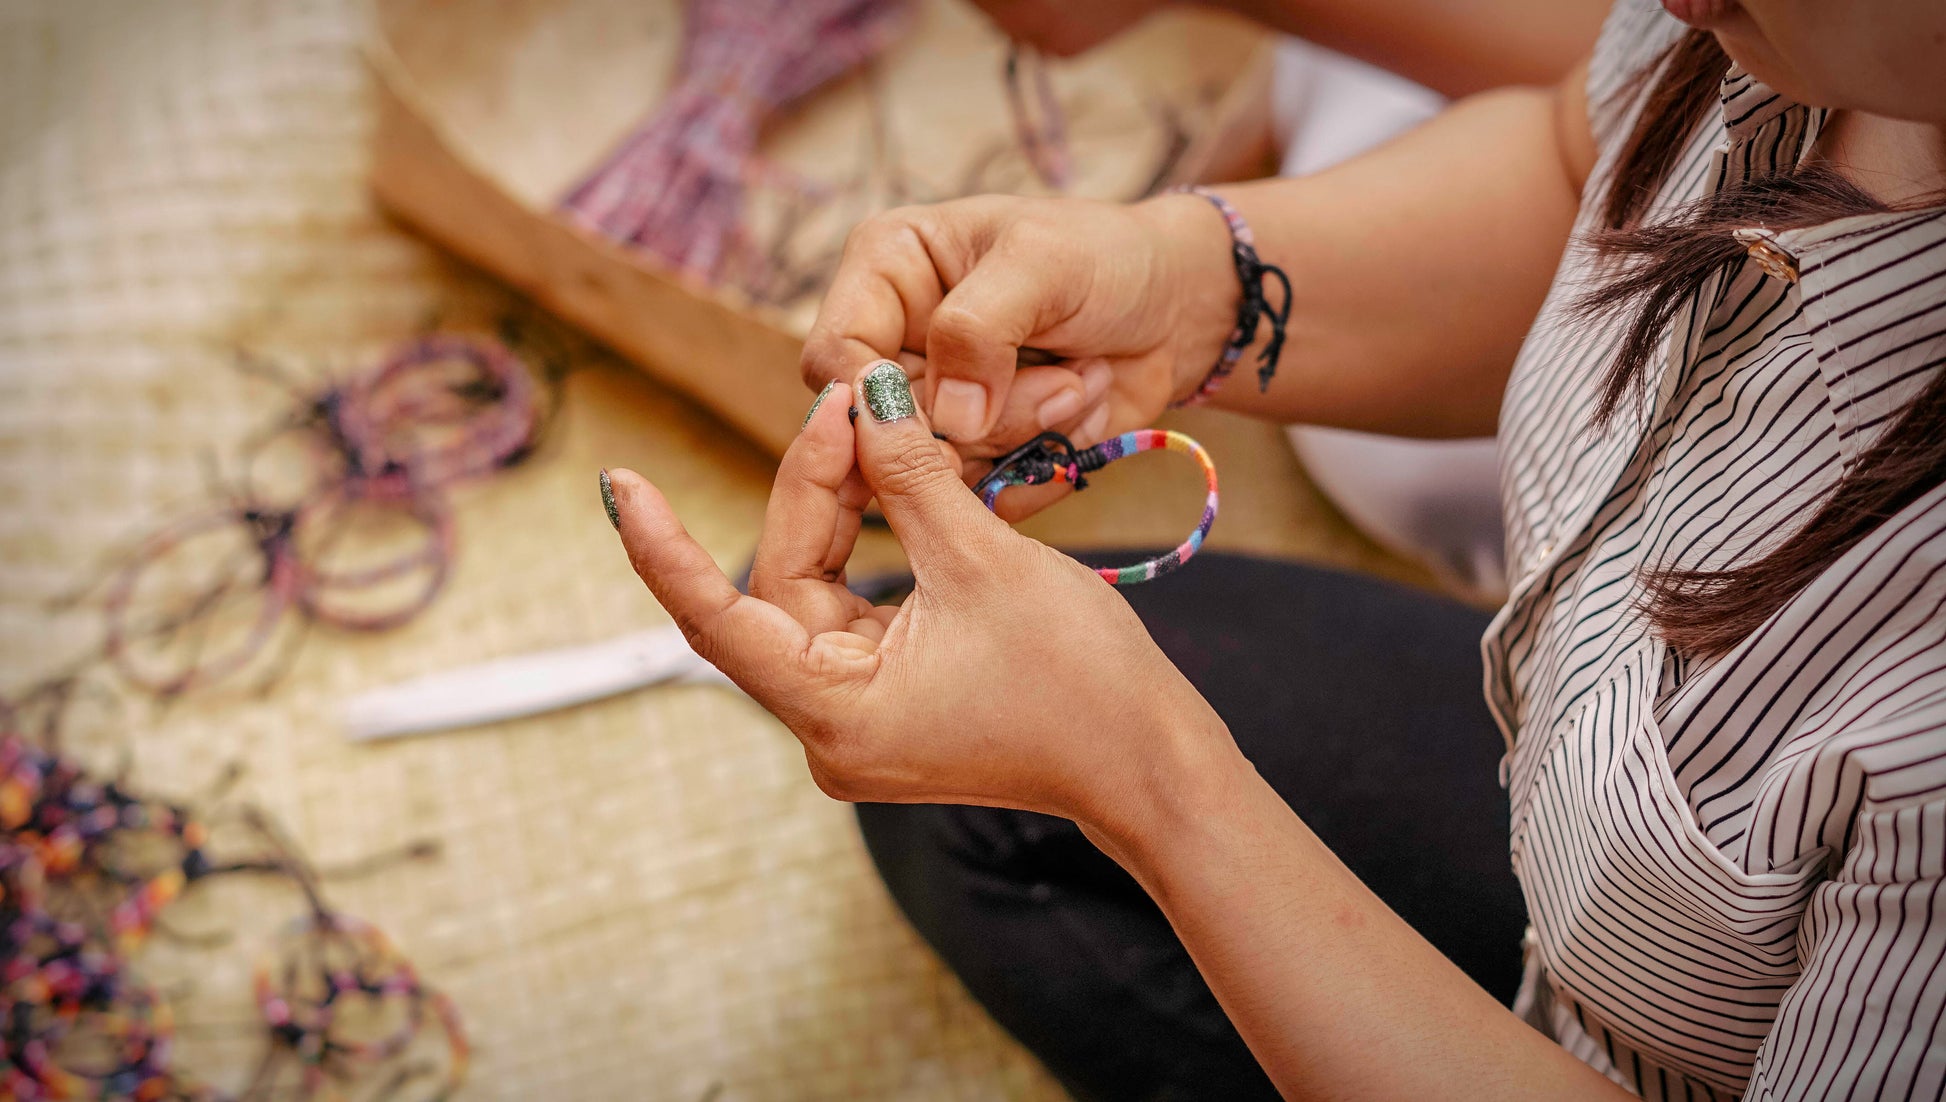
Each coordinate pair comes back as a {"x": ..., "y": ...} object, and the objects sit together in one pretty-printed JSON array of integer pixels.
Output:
[{"x": 1735, "y": 867}]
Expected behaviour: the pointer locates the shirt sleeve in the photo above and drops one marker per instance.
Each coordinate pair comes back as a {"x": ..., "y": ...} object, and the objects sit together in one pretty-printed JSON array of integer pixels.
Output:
[{"x": 1863, "y": 1021}]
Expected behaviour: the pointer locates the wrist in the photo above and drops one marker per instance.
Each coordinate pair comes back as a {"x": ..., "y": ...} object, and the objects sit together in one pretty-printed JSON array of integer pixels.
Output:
[
  {"x": 1179, "y": 787},
  {"x": 1200, "y": 284}
]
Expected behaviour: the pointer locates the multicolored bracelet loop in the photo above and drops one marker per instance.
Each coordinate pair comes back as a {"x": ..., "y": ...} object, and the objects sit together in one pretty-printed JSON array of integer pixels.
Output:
[
  {"x": 1255, "y": 276},
  {"x": 1053, "y": 458}
]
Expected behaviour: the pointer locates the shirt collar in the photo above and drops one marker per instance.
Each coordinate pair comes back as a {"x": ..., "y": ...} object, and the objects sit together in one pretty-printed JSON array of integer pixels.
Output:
[
  {"x": 1749, "y": 104},
  {"x": 1754, "y": 112},
  {"x": 1873, "y": 288}
]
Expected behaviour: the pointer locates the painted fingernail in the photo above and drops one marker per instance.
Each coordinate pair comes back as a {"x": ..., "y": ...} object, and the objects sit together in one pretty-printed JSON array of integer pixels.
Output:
[
  {"x": 888, "y": 393},
  {"x": 959, "y": 408},
  {"x": 815, "y": 403},
  {"x": 1060, "y": 408},
  {"x": 608, "y": 500}
]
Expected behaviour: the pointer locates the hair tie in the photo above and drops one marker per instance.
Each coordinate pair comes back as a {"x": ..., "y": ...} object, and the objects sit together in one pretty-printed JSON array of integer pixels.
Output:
[{"x": 1053, "y": 458}]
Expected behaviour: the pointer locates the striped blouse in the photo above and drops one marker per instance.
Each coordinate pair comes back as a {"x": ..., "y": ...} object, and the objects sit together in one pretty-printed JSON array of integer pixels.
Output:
[{"x": 1735, "y": 867}]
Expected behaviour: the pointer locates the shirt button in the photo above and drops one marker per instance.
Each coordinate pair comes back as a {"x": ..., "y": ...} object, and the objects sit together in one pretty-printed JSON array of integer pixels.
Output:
[{"x": 1772, "y": 257}]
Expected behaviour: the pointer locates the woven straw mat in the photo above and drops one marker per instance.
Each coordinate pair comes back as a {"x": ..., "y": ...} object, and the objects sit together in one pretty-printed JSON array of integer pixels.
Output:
[{"x": 644, "y": 898}]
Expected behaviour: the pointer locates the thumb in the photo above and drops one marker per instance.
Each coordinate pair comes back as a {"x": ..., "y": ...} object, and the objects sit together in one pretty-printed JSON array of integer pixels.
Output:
[{"x": 915, "y": 476}]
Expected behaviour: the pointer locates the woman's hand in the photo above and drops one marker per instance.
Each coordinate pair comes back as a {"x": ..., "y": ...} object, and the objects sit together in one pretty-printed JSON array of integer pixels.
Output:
[
  {"x": 1012, "y": 675},
  {"x": 1135, "y": 301}
]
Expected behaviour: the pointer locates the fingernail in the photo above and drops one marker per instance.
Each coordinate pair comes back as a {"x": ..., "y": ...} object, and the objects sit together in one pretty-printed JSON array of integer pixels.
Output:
[
  {"x": 816, "y": 402},
  {"x": 1095, "y": 380},
  {"x": 888, "y": 393},
  {"x": 608, "y": 500},
  {"x": 959, "y": 408},
  {"x": 1089, "y": 434},
  {"x": 1060, "y": 408}
]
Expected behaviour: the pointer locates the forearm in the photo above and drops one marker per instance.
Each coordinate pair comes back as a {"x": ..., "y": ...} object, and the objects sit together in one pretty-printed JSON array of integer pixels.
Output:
[
  {"x": 1457, "y": 47},
  {"x": 1416, "y": 269},
  {"x": 1336, "y": 996}
]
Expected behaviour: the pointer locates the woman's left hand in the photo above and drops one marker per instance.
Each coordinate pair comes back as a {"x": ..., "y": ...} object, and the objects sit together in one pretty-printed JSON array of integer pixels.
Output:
[{"x": 1011, "y": 676}]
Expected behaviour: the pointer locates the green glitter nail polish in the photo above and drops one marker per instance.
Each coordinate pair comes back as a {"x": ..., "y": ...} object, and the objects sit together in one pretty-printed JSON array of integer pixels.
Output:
[
  {"x": 608, "y": 500},
  {"x": 888, "y": 393},
  {"x": 813, "y": 411}
]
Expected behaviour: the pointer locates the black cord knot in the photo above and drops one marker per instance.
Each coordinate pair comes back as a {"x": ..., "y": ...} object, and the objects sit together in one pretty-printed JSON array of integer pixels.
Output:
[
  {"x": 1038, "y": 461},
  {"x": 1254, "y": 274}
]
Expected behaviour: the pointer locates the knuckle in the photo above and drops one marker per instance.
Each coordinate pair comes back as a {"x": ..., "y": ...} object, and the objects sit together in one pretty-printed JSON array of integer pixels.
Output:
[
  {"x": 902, "y": 217},
  {"x": 1031, "y": 235},
  {"x": 867, "y": 230},
  {"x": 883, "y": 232},
  {"x": 698, "y": 626},
  {"x": 913, "y": 466},
  {"x": 806, "y": 455},
  {"x": 822, "y": 359},
  {"x": 695, "y": 631},
  {"x": 956, "y": 332},
  {"x": 957, "y": 320}
]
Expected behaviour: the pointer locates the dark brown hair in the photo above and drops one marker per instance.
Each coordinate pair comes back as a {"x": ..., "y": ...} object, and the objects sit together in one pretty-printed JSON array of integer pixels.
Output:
[{"x": 1654, "y": 268}]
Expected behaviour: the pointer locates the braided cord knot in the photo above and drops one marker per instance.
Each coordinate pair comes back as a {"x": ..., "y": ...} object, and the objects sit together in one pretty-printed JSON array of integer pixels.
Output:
[{"x": 1053, "y": 458}]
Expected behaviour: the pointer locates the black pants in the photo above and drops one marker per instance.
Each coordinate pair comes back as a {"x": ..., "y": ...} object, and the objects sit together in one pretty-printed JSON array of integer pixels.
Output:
[{"x": 1359, "y": 701}]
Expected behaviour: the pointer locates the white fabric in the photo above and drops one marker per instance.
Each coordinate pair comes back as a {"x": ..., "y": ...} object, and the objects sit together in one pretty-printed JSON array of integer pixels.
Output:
[{"x": 1436, "y": 502}]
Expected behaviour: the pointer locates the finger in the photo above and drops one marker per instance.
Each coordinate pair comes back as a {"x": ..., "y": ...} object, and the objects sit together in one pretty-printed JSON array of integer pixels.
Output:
[
  {"x": 914, "y": 476},
  {"x": 811, "y": 523},
  {"x": 1092, "y": 429},
  {"x": 880, "y": 300},
  {"x": 1017, "y": 503},
  {"x": 1042, "y": 399},
  {"x": 974, "y": 338},
  {"x": 1083, "y": 429},
  {"x": 867, "y": 627},
  {"x": 853, "y": 497},
  {"x": 756, "y": 644},
  {"x": 874, "y": 621}
]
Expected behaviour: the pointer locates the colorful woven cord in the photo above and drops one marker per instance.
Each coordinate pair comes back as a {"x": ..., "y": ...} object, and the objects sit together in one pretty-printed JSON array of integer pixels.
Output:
[
  {"x": 1052, "y": 458},
  {"x": 675, "y": 186},
  {"x": 88, "y": 866},
  {"x": 381, "y": 446}
]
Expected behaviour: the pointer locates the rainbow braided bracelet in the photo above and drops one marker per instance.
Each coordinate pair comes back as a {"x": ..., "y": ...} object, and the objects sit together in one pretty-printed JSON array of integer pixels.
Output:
[{"x": 1053, "y": 458}]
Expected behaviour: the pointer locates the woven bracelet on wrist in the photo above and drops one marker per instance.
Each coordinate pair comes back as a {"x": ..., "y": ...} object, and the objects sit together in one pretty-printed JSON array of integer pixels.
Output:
[{"x": 1255, "y": 276}]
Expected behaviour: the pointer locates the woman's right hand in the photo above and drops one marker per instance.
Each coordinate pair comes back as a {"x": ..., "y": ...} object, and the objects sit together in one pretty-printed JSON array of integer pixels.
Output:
[{"x": 1134, "y": 301}]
